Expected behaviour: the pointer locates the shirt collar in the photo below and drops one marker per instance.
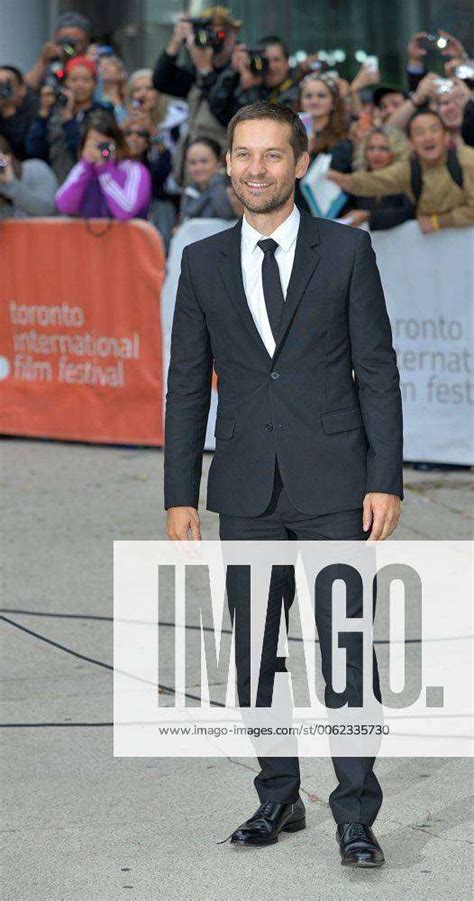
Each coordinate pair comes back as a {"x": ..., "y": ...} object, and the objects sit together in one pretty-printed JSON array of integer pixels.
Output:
[{"x": 284, "y": 235}]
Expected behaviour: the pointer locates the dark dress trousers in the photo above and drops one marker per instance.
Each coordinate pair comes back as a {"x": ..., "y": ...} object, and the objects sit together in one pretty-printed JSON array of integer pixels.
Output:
[{"x": 301, "y": 437}]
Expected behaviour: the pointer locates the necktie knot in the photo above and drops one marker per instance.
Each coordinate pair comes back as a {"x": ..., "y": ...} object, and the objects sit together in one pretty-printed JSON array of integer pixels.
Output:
[{"x": 268, "y": 245}]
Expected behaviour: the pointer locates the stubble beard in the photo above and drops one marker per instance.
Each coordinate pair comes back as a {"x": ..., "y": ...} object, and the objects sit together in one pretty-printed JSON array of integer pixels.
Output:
[{"x": 273, "y": 201}]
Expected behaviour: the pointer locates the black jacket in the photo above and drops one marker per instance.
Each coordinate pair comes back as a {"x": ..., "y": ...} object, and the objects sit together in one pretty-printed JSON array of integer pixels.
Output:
[
  {"x": 336, "y": 437},
  {"x": 177, "y": 80},
  {"x": 15, "y": 128}
]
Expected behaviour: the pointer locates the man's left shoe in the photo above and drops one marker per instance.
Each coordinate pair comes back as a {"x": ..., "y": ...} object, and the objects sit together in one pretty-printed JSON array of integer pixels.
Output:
[
  {"x": 271, "y": 818},
  {"x": 358, "y": 846}
]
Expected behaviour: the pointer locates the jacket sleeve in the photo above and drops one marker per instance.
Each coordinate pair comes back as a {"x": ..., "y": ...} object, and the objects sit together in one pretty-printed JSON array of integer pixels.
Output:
[
  {"x": 71, "y": 193},
  {"x": 464, "y": 213},
  {"x": 34, "y": 191},
  {"x": 394, "y": 179},
  {"x": 169, "y": 78},
  {"x": 36, "y": 141},
  {"x": 188, "y": 396},
  {"x": 376, "y": 373},
  {"x": 127, "y": 191}
]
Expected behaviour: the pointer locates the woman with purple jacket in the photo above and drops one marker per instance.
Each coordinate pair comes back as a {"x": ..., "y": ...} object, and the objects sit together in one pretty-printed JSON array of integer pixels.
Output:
[{"x": 104, "y": 183}]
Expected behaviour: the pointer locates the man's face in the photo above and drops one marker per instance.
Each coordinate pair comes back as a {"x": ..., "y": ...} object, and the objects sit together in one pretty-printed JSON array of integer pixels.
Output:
[
  {"x": 16, "y": 92},
  {"x": 389, "y": 103},
  {"x": 80, "y": 38},
  {"x": 262, "y": 165},
  {"x": 278, "y": 66},
  {"x": 450, "y": 110},
  {"x": 428, "y": 138}
]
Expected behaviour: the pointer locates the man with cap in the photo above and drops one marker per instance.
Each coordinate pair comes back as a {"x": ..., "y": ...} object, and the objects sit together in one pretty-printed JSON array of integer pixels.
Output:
[{"x": 193, "y": 80}]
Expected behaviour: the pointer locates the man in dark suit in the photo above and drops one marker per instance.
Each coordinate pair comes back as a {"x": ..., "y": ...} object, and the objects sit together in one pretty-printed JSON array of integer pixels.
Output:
[{"x": 290, "y": 312}]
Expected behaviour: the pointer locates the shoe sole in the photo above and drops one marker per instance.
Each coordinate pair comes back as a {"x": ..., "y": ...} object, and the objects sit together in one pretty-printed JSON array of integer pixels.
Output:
[
  {"x": 362, "y": 863},
  {"x": 288, "y": 827}
]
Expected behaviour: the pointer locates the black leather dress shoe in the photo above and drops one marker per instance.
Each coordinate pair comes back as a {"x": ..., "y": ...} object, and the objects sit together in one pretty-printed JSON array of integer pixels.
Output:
[
  {"x": 271, "y": 818},
  {"x": 358, "y": 846}
]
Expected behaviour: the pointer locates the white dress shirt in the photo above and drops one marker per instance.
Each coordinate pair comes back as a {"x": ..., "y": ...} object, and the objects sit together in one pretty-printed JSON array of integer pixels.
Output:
[{"x": 252, "y": 258}]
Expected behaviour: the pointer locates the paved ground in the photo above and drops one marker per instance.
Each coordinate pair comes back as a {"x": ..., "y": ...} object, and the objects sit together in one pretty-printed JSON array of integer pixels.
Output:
[{"x": 79, "y": 824}]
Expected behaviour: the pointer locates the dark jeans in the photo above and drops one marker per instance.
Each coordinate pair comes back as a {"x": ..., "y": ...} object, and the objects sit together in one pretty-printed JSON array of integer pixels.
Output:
[{"x": 358, "y": 796}]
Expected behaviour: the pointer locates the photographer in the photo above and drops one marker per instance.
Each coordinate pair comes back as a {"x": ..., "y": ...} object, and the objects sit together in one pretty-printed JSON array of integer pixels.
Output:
[
  {"x": 105, "y": 183},
  {"x": 71, "y": 38},
  {"x": 55, "y": 134},
  {"x": 210, "y": 48},
  {"x": 438, "y": 180},
  {"x": 18, "y": 109},
  {"x": 260, "y": 74},
  {"x": 27, "y": 188},
  {"x": 426, "y": 87}
]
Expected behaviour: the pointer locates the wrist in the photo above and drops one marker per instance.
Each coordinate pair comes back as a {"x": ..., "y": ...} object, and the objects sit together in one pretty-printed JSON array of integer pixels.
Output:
[{"x": 417, "y": 100}]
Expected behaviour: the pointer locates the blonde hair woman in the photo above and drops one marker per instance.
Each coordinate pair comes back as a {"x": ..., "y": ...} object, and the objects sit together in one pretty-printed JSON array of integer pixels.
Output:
[{"x": 381, "y": 147}]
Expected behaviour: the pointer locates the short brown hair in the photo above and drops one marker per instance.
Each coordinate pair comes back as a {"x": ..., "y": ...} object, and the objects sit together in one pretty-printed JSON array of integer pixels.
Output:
[{"x": 277, "y": 113}]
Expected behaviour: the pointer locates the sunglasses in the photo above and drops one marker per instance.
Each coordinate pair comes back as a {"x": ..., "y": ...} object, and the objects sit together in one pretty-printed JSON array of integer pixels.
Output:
[{"x": 139, "y": 133}]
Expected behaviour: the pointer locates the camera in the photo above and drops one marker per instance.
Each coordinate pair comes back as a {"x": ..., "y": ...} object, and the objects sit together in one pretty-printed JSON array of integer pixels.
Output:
[
  {"x": 207, "y": 36},
  {"x": 258, "y": 61},
  {"x": 443, "y": 85},
  {"x": 6, "y": 90},
  {"x": 106, "y": 148},
  {"x": 54, "y": 80},
  {"x": 68, "y": 46}
]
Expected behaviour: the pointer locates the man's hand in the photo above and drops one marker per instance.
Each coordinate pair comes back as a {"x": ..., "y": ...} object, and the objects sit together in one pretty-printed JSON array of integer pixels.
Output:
[
  {"x": 426, "y": 224},
  {"x": 183, "y": 524},
  {"x": 415, "y": 49},
  {"x": 6, "y": 173},
  {"x": 382, "y": 512}
]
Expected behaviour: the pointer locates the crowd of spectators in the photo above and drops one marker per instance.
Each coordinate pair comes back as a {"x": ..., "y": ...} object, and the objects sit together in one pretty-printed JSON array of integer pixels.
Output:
[{"x": 79, "y": 136}]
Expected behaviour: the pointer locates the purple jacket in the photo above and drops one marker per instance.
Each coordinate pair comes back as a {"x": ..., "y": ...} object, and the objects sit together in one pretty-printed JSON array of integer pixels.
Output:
[{"x": 117, "y": 190}]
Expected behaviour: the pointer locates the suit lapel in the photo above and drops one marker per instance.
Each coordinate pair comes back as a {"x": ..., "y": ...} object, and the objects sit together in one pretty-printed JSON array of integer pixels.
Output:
[
  {"x": 230, "y": 270},
  {"x": 307, "y": 258}
]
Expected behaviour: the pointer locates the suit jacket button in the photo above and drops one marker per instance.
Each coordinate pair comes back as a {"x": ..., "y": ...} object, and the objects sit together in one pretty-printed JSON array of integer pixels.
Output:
[
  {"x": 274, "y": 375},
  {"x": 268, "y": 427}
]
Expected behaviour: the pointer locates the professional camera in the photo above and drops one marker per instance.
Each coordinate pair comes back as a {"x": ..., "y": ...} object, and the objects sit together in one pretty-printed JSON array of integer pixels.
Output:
[
  {"x": 205, "y": 35},
  {"x": 68, "y": 46},
  {"x": 106, "y": 149},
  {"x": 54, "y": 80},
  {"x": 258, "y": 61},
  {"x": 6, "y": 90}
]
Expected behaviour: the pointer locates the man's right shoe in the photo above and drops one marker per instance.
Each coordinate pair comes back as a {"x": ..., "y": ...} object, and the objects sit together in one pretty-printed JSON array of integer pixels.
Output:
[
  {"x": 358, "y": 846},
  {"x": 271, "y": 818}
]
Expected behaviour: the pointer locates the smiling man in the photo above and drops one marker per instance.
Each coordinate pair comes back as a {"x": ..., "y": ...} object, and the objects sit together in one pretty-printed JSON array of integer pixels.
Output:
[
  {"x": 439, "y": 179},
  {"x": 291, "y": 313}
]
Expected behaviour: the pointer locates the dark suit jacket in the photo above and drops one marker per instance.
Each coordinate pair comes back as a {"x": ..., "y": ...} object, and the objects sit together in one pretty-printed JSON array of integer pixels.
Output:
[{"x": 336, "y": 436}]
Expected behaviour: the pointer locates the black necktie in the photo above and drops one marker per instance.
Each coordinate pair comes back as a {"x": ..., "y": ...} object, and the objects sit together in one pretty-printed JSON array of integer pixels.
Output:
[{"x": 272, "y": 291}]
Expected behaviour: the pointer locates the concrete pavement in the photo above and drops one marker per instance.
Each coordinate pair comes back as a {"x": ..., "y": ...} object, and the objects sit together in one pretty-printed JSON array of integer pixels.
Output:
[{"x": 79, "y": 824}]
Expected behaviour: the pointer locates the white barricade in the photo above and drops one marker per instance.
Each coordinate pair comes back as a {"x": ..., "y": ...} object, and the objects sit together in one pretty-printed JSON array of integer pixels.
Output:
[{"x": 428, "y": 284}]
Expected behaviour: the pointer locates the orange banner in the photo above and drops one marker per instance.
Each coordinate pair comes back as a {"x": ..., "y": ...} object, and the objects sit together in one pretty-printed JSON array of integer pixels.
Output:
[{"x": 80, "y": 330}]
